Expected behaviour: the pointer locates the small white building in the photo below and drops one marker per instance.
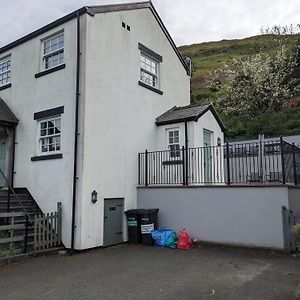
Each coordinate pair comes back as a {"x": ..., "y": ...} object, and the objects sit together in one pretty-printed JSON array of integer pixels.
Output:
[{"x": 80, "y": 98}]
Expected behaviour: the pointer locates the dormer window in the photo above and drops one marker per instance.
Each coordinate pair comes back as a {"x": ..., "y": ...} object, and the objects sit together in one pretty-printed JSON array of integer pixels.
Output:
[
  {"x": 53, "y": 51},
  {"x": 5, "y": 70}
]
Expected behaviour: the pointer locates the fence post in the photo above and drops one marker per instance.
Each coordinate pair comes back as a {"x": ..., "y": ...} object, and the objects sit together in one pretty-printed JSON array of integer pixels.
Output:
[
  {"x": 294, "y": 164},
  {"x": 183, "y": 167},
  {"x": 146, "y": 167},
  {"x": 228, "y": 163},
  {"x": 282, "y": 160},
  {"x": 59, "y": 222},
  {"x": 26, "y": 234}
]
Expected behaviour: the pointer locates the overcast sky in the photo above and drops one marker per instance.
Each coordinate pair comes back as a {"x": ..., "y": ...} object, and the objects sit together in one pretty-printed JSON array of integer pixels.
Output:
[{"x": 188, "y": 21}]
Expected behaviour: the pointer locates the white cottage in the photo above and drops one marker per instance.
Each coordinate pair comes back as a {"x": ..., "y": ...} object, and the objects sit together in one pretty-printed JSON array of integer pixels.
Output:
[{"x": 80, "y": 98}]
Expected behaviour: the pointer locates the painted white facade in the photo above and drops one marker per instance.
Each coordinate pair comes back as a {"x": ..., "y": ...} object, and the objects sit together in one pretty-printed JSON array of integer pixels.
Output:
[
  {"x": 116, "y": 114},
  {"x": 119, "y": 114},
  {"x": 49, "y": 181}
]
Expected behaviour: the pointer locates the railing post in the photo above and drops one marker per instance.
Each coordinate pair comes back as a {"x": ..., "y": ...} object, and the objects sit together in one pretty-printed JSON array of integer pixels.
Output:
[
  {"x": 26, "y": 234},
  {"x": 183, "y": 167},
  {"x": 59, "y": 227},
  {"x": 282, "y": 160},
  {"x": 228, "y": 163},
  {"x": 294, "y": 164},
  {"x": 139, "y": 169},
  {"x": 187, "y": 166},
  {"x": 146, "y": 167}
]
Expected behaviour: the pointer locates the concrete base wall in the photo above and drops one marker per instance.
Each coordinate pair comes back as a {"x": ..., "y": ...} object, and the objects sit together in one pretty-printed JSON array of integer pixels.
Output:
[{"x": 237, "y": 215}]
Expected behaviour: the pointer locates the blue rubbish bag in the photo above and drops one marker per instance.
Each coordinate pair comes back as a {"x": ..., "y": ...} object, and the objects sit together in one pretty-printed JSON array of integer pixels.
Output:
[{"x": 164, "y": 237}]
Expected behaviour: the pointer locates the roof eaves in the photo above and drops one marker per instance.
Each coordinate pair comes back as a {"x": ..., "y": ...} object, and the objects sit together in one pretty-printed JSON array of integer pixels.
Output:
[
  {"x": 44, "y": 29},
  {"x": 215, "y": 114},
  {"x": 167, "y": 112},
  {"x": 13, "y": 119},
  {"x": 164, "y": 29},
  {"x": 98, "y": 9},
  {"x": 174, "y": 121}
]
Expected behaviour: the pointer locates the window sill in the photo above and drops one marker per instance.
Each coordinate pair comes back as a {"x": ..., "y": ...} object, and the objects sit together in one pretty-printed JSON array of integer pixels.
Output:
[
  {"x": 6, "y": 86},
  {"x": 48, "y": 71},
  {"x": 150, "y": 88},
  {"x": 46, "y": 157}
]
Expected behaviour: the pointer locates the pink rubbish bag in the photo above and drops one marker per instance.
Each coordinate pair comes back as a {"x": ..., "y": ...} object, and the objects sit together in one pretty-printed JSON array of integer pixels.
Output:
[{"x": 184, "y": 241}]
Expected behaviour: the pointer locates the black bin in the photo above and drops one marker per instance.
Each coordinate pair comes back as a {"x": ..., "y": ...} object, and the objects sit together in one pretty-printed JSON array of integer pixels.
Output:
[
  {"x": 148, "y": 218},
  {"x": 134, "y": 226}
]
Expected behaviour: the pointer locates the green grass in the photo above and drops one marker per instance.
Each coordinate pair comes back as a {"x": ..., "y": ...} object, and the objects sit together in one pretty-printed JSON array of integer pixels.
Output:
[{"x": 210, "y": 56}]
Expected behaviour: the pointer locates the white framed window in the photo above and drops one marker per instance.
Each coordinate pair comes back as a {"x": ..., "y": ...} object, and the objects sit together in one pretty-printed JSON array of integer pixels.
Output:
[
  {"x": 173, "y": 142},
  {"x": 149, "y": 72},
  {"x": 53, "y": 51},
  {"x": 5, "y": 70},
  {"x": 50, "y": 135}
]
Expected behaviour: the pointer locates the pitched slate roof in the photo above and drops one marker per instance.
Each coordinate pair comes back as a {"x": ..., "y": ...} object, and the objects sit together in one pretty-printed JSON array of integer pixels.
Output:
[
  {"x": 6, "y": 115},
  {"x": 92, "y": 11},
  {"x": 187, "y": 113}
]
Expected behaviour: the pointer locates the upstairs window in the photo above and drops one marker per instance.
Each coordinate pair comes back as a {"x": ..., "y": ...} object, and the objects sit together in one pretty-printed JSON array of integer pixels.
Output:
[
  {"x": 173, "y": 141},
  {"x": 50, "y": 133},
  {"x": 149, "y": 71},
  {"x": 53, "y": 51},
  {"x": 5, "y": 70}
]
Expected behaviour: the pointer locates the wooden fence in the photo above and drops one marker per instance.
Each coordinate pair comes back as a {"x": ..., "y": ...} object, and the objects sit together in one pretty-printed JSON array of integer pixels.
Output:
[
  {"x": 289, "y": 220},
  {"x": 47, "y": 230},
  {"x": 13, "y": 232},
  {"x": 35, "y": 234}
]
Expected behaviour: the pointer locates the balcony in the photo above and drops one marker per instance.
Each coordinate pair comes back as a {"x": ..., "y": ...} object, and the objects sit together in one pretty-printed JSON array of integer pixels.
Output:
[{"x": 259, "y": 163}]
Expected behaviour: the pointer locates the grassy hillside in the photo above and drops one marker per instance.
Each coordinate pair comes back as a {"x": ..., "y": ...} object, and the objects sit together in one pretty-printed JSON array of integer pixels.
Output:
[{"x": 208, "y": 57}]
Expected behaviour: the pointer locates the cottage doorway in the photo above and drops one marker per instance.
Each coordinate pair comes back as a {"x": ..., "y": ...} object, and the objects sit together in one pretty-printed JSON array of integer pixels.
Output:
[
  {"x": 207, "y": 143},
  {"x": 113, "y": 221}
]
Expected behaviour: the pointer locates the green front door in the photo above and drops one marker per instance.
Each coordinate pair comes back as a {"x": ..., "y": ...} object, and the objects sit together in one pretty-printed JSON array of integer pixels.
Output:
[
  {"x": 3, "y": 155},
  {"x": 207, "y": 156},
  {"x": 113, "y": 221}
]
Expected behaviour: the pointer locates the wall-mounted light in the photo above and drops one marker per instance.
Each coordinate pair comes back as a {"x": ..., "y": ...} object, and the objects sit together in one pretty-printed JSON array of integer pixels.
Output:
[
  {"x": 94, "y": 197},
  {"x": 219, "y": 141}
]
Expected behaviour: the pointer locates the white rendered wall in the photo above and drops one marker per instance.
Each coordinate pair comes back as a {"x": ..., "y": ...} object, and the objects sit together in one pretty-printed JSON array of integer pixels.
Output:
[
  {"x": 208, "y": 122},
  {"x": 120, "y": 114},
  {"x": 49, "y": 181},
  {"x": 250, "y": 216}
]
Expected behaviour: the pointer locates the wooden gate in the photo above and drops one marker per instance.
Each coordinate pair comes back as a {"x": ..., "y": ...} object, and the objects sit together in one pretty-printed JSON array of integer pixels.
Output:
[
  {"x": 289, "y": 220},
  {"x": 47, "y": 230}
]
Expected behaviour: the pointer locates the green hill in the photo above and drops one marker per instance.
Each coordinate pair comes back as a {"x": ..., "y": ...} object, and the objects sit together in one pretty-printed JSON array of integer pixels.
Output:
[{"x": 210, "y": 56}]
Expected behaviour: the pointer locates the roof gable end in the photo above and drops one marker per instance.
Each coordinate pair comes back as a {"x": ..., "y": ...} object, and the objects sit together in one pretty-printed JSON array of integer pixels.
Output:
[{"x": 97, "y": 9}]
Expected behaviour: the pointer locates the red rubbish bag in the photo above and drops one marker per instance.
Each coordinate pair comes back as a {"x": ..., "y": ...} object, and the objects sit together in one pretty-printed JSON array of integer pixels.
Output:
[{"x": 184, "y": 241}]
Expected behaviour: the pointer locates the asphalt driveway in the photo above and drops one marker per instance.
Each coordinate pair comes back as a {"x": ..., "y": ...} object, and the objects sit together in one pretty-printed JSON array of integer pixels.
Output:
[{"x": 139, "y": 272}]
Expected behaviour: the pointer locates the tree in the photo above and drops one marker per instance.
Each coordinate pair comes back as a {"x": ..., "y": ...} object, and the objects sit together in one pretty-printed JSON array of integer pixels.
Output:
[{"x": 257, "y": 84}]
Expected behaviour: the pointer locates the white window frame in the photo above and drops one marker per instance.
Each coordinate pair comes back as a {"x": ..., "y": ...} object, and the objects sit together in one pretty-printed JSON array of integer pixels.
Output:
[
  {"x": 58, "y": 51},
  {"x": 146, "y": 68},
  {"x": 3, "y": 60},
  {"x": 174, "y": 151},
  {"x": 48, "y": 136}
]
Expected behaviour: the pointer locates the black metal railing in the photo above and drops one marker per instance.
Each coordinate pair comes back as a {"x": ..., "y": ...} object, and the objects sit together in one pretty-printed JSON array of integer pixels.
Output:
[{"x": 276, "y": 162}]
